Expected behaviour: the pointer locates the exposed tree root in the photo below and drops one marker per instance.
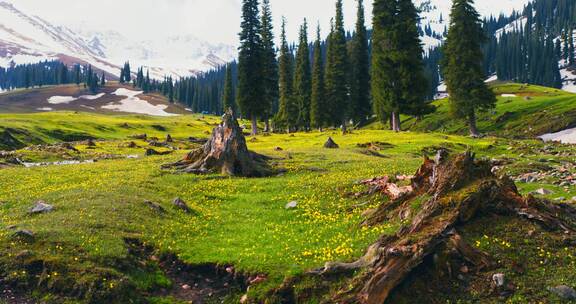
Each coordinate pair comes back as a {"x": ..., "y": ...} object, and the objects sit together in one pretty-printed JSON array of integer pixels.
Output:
[
  {"x": 226, "y": 152},
  {"x": 456, "y": 190}
]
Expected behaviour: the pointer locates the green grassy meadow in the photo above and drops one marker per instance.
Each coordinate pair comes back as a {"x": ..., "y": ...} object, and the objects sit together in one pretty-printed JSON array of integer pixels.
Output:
[{"x": 79, "y": 253}]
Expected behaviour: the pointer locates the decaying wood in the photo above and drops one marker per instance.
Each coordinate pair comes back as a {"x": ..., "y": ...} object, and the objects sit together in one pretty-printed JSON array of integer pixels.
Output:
[
  {"x": 456, "y": 190},
  {"x": 225, "y": 152}
]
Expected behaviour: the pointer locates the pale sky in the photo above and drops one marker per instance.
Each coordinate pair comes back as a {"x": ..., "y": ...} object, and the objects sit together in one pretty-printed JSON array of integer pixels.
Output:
[{"x": 211, "y": 20}]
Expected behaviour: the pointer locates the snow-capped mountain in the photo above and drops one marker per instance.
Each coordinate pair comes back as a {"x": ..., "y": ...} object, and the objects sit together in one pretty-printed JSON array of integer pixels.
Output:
[
  {"x": 435, "y": 15},
  {"x": 25, "y": 38}
]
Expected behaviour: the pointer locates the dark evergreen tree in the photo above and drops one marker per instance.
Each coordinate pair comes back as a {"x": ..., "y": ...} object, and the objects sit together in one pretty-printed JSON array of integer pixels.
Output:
[
  {"x": 360, "y": 70},
  {"x": 229, "y": 99},
  {"x": 384, "y": 52},
  {"x": 303, "y": 79},
  {"x": 337, "y": 72},
  {"x": 317, "y": 106},
  {"x": 462, "y": 64},
  {"x": 287, "y": 112},
  {"x": 269, "y": 64},
  {"x": 251, "y": 84}
]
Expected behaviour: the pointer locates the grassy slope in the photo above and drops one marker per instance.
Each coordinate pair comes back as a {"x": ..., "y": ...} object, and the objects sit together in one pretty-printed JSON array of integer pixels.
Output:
[
  {"x": 240, "y": 221},
  {"x": 535, "y": 111}
]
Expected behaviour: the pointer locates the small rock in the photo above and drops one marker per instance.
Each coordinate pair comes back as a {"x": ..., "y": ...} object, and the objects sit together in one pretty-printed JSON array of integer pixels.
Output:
[
  {"x": 186, "y": 287},
  {"x": 330, "y": 144},
  {"x": 564, "y": 292},
  {"x": 41, "y": 207},
  {"x": 499, "y": 279},
  {"x": 24, "y": 234},
  {"x": 291, "y": 205},
  {"x": 90, "y": 143},
  {"x": 139, "y": 136},
  {"x": 542, "y": 191},
  {"x": 181, "y": 204},
  {"x": 278, "y": 149},
  {"x": 154, "y": 206},
  {"x": 244, "y": 299}
]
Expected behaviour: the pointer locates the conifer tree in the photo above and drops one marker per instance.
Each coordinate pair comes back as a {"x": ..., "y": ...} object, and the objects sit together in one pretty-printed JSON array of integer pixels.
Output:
[
  {"x": 103, "y": 80},
  {"x": 287, "y": 111},
  {"x": 229, "y": 100},
  {"x": 336, "y": 71},
  {"x": 413, "y": 81},
  {"x": 302, "y": 79},
  {"x": 250, "y": 79},
  {"x": 360, "y": 70},
  {"x": 384, "y": 51},
  {"x": 317, "y": 107},
  {"x": 269, "y": 63},
  {"x": 462, "y": 64}
]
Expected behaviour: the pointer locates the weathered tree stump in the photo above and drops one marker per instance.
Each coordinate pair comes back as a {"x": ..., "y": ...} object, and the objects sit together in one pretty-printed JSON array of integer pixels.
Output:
[
  {"x": 225, "y": 152},
  {"x": 456, "y": 190}
]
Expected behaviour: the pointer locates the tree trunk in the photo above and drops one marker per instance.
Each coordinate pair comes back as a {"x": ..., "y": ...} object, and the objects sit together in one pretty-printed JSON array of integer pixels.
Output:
[
  {"x": 395, "y": 122},
  {"x": 344, "y": 129},
  {"x": 225, "y": 152},
  {"x": 472, "y": 125},
  {"x": 398, "y": 122},
  {"x": 266, "y": 125},
  {"x": 254, "y": 126}
]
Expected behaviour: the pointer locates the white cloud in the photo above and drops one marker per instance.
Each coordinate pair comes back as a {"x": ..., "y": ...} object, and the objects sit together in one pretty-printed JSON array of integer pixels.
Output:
[{"x": 211, "y": 20}]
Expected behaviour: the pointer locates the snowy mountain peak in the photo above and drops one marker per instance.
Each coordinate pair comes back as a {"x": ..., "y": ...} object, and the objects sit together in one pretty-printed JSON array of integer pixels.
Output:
[{"x": 25, "y": 38}]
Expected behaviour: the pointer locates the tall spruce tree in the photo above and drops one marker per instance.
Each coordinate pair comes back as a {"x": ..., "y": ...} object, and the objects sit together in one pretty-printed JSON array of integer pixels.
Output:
[
  {"x": 360, "y": 107},
  {"x": 287, "y": 112},
  {"x": 302, "y": 79},
  {"x": 317, "y": 107},
  {"x": 384, "y": 53},
  {"x": 337, "y": 89},
  {"x": 399, "y": 84},
  {"x": 250, "y": 77},
  {"x": 462, "y": 64},
  {"x": 413, "y": 81},
  {"x": 269, "y": 63},
  {"x": 229, "y": 100}
]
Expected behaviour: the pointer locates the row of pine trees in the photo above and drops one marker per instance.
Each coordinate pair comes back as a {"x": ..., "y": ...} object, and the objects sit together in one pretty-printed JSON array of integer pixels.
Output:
[{"x": 49, "y": 73}]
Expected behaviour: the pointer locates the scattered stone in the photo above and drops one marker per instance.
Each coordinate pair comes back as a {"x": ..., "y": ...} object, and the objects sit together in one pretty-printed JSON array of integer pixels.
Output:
[
  {"x": 151, "y": 152},
  {"x": 24, "y": 254},
  {"x": 499, "y": 279},
  {"x": 542, "y": 191},
  {"x": 154, "y": 206},
  {"x": 24, "y": 234},
  {"x": 291, "y": 205},
  {"x": 330, "y": 144},
  {"x": 41, "y": 207},
  {"x": 186, "y": 287},
  {"x": 244, "y": 299},
  {"x": 564, "y": 292},
  {"x": 90, "y": 143},
  {"x": 181, "y": 204},
  {"x": 139, "y": 136}
]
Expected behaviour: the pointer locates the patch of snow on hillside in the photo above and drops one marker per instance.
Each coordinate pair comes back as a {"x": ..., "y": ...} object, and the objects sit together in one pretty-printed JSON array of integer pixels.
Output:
[
  {"x": 509, "y": 95},
  {"x": 61, "y": 99},
  {"x": 566, "y": 136},
  {"x": 45, "y": 109},
  {"x": 133, "y": 104},
  {"x": 568, "y": 80},
  {"x": 92, "y": 97}
]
